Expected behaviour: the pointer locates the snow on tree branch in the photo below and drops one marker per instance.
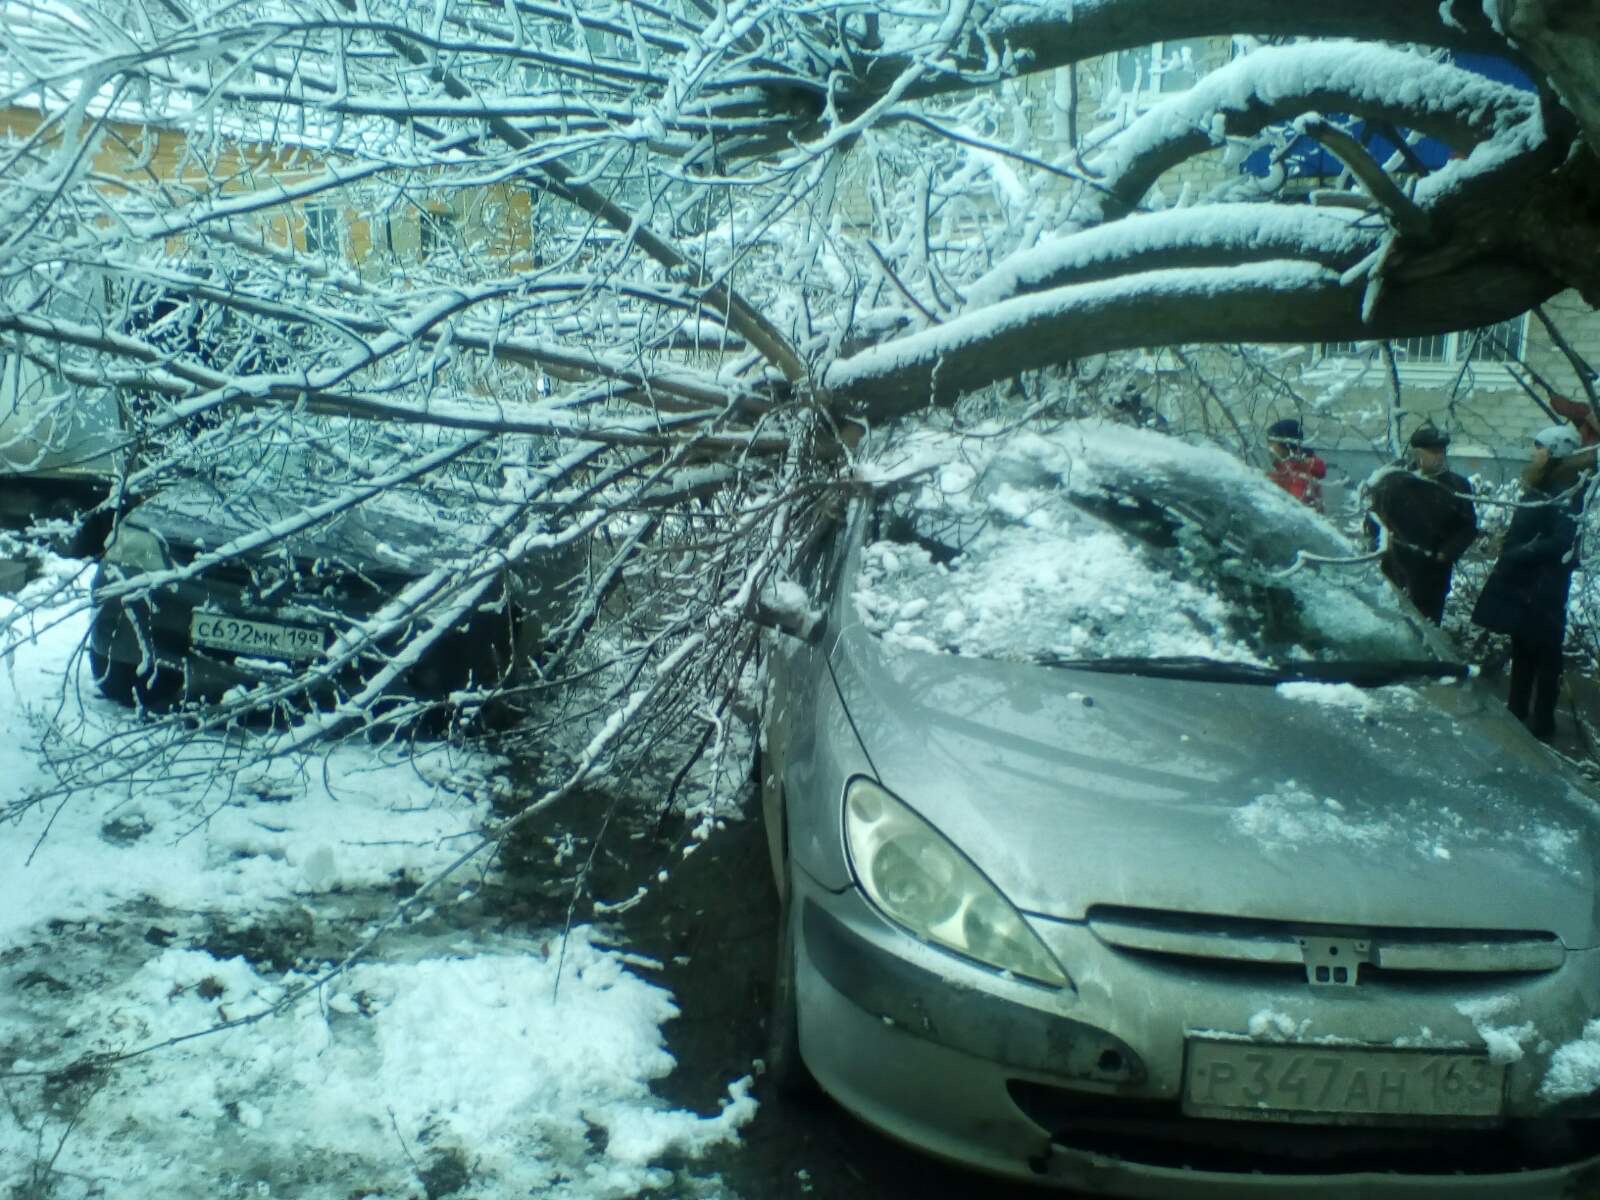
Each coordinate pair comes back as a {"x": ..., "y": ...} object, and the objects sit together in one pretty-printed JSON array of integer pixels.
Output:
[{"x": 649, "y": 267}]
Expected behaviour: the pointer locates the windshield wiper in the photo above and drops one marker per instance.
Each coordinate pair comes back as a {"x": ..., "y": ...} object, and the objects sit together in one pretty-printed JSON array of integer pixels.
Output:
[
  {"x": 1375, "y": 673},
  {"x": 1194, "y": 666}
]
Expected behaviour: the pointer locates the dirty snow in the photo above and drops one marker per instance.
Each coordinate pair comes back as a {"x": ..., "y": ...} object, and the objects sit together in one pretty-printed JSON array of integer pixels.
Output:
[{"x": 462, "y": 1054}]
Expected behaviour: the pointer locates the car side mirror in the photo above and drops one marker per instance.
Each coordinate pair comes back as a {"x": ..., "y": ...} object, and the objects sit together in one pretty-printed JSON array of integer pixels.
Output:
[{"x": 780, "y": 612}]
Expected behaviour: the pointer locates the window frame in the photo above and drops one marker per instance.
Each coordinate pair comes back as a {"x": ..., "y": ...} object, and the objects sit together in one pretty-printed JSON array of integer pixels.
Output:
[
  {"x": 1430, "y": 370},
  {"x": 324, "y": 230},
  {"x": 437, "y": 231},
  {"x": 1150, "y": 89}
]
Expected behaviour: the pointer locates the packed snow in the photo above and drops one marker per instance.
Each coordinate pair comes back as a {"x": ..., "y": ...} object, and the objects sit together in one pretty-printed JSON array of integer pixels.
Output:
[
  {"x": 1097, "y": 540},
  {"x": 1574, "y": 1067},
  {"x": 522, "y": 1062},
  {"x": 1269, "y": 1025},
  {"x": 1336, "y": 695},
  {"x": 1290, "y": 819},
  {"x": 1493, "y": 1020}
]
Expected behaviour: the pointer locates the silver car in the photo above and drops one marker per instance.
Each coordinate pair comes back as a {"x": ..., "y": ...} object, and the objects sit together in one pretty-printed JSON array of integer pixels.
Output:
[{"x": 1135, "y": 837}]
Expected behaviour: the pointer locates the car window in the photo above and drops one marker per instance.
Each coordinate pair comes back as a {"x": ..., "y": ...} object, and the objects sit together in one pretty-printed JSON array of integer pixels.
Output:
[{"x": 1100, "y": 542}]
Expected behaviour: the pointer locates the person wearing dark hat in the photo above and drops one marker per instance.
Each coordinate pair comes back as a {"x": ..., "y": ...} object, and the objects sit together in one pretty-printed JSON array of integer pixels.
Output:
[
  {"x": 1526, "y": 592},
  {"x": 1423, "y": 518},
  {"x": 1294, "y": 468}
]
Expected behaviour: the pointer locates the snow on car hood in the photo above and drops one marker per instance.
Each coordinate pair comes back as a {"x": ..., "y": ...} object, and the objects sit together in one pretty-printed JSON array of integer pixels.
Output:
[{"x": 1415, "y": 806}]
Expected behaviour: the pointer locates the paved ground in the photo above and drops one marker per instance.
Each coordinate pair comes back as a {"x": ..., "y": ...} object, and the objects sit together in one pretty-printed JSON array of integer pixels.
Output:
[
  {"x": 713, "y": 927},
  {"x": 720, "y": 912},
  {"x": 1577, "y": 735}
]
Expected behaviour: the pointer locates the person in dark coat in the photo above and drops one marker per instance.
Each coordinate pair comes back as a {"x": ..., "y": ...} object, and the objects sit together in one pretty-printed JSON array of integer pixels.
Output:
[
  {"x": 1294, "y": 468},
  {"x": 1428, "y": 519},
  {"x": 1526, "y": 592}
]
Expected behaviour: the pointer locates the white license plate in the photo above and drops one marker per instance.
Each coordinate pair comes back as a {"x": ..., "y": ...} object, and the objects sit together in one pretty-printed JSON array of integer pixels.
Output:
[
  {"x": 265, "y": 638},
  {"x": 1250, "y": 1081}
]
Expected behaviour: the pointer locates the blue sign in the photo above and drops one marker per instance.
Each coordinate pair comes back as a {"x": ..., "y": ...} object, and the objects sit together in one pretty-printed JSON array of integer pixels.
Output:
[{"x": 1306, "y": 157}]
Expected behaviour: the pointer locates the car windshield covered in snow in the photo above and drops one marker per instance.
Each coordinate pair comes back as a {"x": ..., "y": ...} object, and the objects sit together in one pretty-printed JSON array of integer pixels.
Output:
[{"x": 1103, "y": 546}]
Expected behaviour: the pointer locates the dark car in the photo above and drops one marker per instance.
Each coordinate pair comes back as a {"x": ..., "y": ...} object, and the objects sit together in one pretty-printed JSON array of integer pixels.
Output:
[
  {"x": 1136, "y": 838},
  {"x": 260, "y": 594}
]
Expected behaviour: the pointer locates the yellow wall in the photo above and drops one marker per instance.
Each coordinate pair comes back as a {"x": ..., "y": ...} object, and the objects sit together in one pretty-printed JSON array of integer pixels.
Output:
[{"x": 494, "y": 220}]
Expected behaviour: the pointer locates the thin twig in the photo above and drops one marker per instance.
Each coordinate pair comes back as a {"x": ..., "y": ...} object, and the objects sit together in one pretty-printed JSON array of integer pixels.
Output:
[{"x": 1403, "y": 212}]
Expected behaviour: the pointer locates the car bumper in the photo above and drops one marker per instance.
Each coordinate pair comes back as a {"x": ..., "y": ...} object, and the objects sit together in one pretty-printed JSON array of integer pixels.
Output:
[{"x": 961, "y": 1062}]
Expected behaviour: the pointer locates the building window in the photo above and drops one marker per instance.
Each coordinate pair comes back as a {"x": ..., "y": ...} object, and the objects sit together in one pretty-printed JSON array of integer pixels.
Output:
[
  {"x": 1160, "y": 68},
  {"x": 323, "y": 230},
  {"x": 437, "y": 232},
  {"x": 1500, "y": 343}
]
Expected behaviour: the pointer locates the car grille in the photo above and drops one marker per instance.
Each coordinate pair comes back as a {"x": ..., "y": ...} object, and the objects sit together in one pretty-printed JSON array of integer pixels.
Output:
[{"x": 1249, "y": 945}]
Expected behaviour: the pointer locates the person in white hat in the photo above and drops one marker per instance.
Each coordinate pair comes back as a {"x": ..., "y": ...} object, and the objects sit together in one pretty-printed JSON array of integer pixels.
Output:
[{"x": 1526, "y": 592}]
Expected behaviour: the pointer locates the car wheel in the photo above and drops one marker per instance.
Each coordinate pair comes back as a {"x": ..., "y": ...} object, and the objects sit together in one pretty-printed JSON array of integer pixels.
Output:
[
  {"x": 121, "y": 682},
  {"x": 785, "y": 1067},
  {"x": 114, "y": 679}
]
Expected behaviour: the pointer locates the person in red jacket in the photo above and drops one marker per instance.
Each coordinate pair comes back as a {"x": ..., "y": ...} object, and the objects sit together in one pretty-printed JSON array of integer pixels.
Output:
[{"x": 1294, "y": 468}]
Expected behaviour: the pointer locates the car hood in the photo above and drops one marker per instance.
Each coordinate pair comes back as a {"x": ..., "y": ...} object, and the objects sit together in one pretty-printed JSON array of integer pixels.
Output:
[
  {"x": 1422, "y": 806},
  {"x": 389, "y": 534}
]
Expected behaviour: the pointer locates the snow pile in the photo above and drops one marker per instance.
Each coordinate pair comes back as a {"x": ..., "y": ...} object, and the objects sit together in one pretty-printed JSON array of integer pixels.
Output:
[
  {"x": 1024, "y": 594},
  {"x": 1096, "y": 540},
  {"x": 121, "y": 910},
  {"x": 480, "y": 1058}
]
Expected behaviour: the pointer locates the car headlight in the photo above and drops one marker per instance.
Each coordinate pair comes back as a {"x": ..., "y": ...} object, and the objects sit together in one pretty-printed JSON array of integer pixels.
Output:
[
  {"x": 135, "y": 550},
  {"x": 920, "y": 880}
]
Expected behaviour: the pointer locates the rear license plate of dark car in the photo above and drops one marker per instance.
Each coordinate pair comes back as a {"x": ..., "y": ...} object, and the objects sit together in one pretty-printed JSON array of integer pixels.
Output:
[
  {"x": 1246, "y": 1080},
  {"x": 265, "y": 638}
]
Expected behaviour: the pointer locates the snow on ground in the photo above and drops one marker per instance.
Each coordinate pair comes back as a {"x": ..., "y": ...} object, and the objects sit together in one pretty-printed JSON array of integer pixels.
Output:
[{"x": 147, "y": 908}]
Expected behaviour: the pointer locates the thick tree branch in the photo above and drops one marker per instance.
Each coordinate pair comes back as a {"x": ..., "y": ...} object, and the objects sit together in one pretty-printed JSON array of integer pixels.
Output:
[
  {"x": 1276, "y": 85},
  {"x": 1042, "y": 38},
  {"x": 1265, "y": 302}
]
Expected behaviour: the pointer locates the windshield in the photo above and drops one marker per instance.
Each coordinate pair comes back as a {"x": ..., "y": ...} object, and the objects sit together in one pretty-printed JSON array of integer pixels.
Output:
[{"x": 1098, "y": 543}]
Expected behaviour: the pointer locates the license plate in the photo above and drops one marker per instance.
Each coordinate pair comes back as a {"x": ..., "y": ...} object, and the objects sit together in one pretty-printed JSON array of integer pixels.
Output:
[
  {"x": 266, "y": 638},
  {"x": 1244, "y": 1080}
]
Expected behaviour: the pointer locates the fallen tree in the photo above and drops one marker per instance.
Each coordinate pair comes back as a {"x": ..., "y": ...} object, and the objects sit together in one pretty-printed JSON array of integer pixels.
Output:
[{"x": 687, "y": 252}]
